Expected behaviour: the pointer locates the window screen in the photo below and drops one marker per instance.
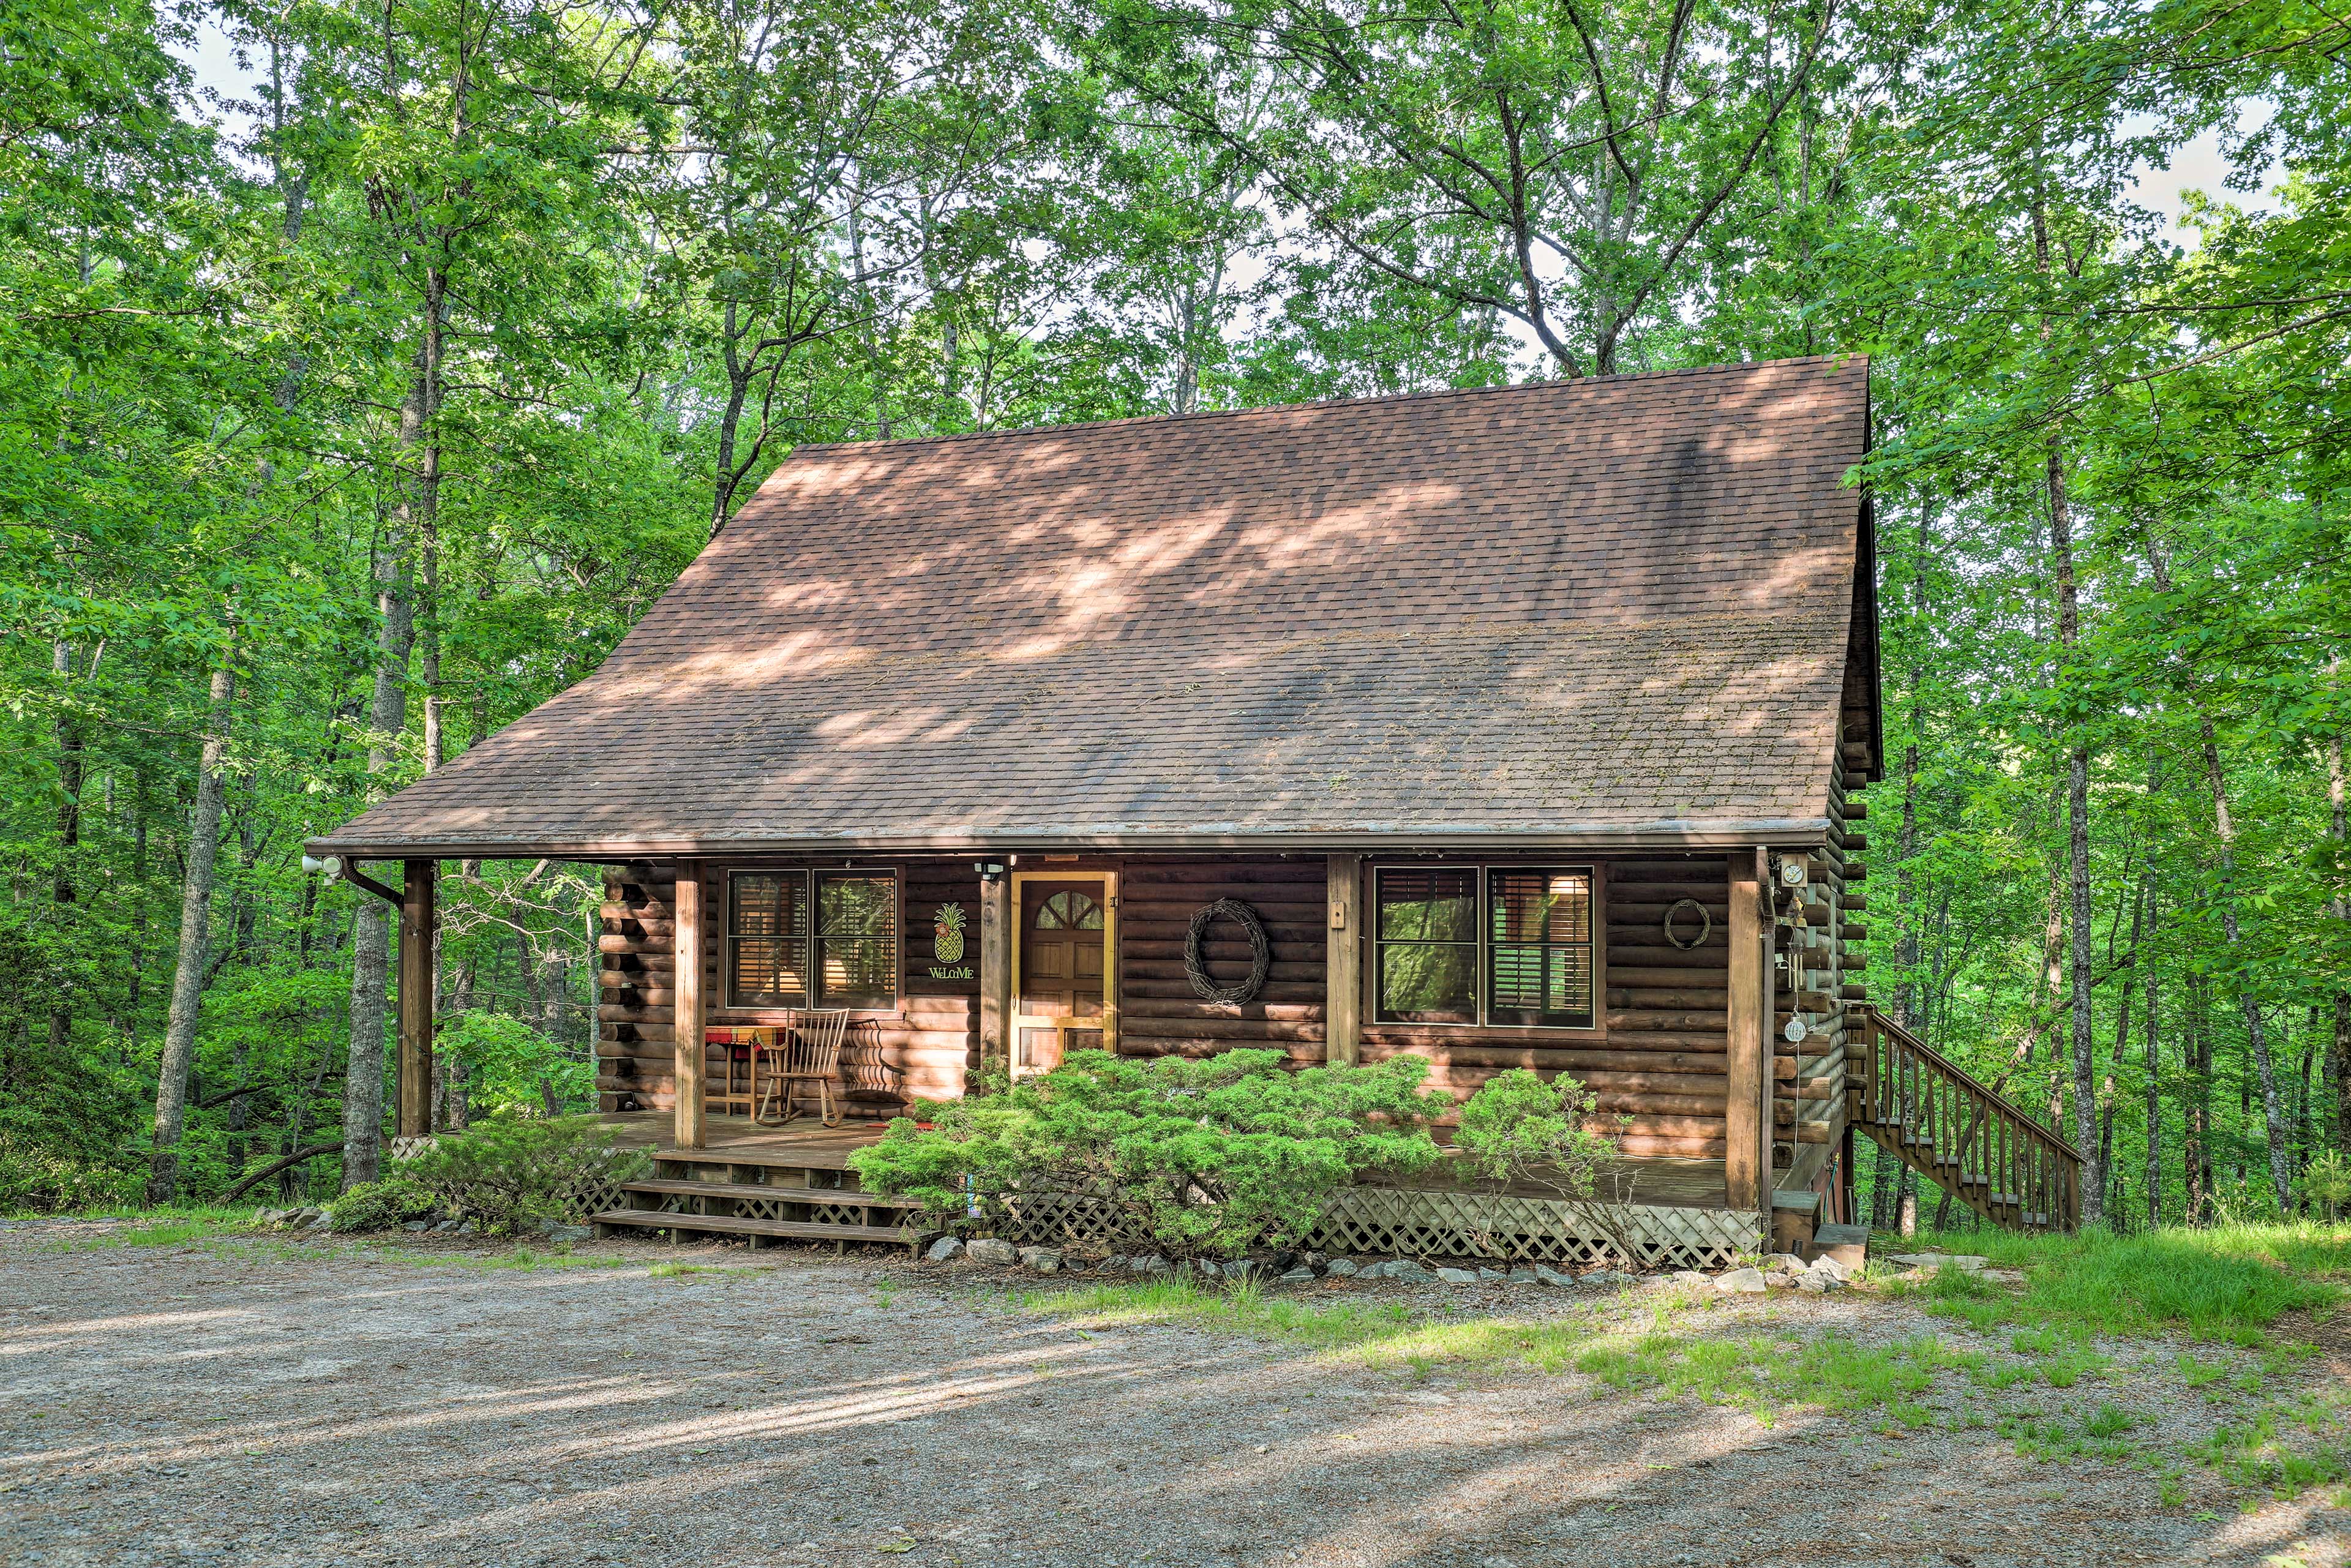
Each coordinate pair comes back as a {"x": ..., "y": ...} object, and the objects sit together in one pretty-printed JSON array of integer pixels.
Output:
[
  {"x": 857, "y": 940},
  {"x": 1539, "y": 947},
  {"x": 768, "y": 939},
  {"x": 1427, "y": 938}
]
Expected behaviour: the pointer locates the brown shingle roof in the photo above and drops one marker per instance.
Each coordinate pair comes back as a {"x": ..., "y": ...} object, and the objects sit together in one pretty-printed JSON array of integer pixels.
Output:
[{"x": 1606, "y": 608}]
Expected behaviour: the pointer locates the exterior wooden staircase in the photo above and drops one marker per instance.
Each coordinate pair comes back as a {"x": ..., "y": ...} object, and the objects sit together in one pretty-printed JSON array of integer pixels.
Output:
[
  {"x": 758, "y": 1197},
  {"x": 1934, "y": 1117}
]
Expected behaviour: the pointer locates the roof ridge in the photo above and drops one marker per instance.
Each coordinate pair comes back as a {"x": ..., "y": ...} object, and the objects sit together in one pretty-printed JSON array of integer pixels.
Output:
[{"x": 1209, "y": 413}]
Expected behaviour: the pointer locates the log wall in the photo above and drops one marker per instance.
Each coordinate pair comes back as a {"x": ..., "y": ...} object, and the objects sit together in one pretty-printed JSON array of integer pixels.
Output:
[
  {"x": 635, "y": 1068},
  {"x": 919, "y": 1051},
  {"x": 1159, "y": 1013},
  {"x": 1659, "y": 1056},
  {"x": 1823, "y": 979}
]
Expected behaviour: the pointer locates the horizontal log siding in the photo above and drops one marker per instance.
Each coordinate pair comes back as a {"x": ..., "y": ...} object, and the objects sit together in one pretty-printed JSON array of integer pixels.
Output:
[
  {"x": 635, "y": 989},
  {"x": 920, "y": 1052},
  {"x": 1661, "y": 1056},
  {"x": 1159, "y": 1013}
]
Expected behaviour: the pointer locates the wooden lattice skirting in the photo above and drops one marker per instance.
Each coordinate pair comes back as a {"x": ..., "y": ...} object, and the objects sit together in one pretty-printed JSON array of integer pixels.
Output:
[
  {"x": 592, "y": 1193},
  {"x": 1408, "y": 1223}
]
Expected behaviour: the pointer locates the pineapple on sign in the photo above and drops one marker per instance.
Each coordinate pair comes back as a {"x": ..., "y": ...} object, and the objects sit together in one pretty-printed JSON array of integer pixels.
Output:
[{"x": 946, "y": 943}]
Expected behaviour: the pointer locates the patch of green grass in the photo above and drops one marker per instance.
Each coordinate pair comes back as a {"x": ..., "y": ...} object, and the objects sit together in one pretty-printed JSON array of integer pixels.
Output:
[
  {"x": 2256, "y": 1456},
  {"x": 2228, "y": 1282},
  {"x": 659, "y": 1271},
  {"x": 166, "y": 1227},
  {"x": 1245, "y": 1308}
]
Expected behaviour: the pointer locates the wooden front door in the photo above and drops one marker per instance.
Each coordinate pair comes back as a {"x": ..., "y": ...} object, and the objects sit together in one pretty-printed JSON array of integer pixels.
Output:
[{"x": 1059, "y": 1005}]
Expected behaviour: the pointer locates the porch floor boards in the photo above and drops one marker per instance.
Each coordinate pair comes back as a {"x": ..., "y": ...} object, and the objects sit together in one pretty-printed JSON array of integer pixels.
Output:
[{"x": 1668, "y": 1183}]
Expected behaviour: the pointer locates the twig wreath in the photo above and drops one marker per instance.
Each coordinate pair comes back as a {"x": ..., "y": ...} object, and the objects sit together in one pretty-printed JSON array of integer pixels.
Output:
[
  {"x": 1261, "y": 952},
  {"x": 1705, "y": 928}
]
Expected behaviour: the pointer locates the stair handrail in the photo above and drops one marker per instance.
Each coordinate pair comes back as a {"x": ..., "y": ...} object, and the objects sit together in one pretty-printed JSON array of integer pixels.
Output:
[{"x": 1975, "y": 1086}]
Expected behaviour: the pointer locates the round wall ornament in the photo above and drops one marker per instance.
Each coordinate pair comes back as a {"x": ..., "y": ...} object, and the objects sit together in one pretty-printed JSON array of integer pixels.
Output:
[
  {"x": 1705, "y": 922},
  {"x": 1261, "y": 952}
]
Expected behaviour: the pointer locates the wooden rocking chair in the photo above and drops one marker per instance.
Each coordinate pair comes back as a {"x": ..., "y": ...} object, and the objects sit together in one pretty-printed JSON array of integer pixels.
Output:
[{"x": 809, "y": 1051}]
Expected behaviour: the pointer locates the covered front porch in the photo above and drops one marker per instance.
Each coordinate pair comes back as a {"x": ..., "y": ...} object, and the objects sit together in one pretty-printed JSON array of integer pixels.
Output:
[{"x": 764, "y": 1185}]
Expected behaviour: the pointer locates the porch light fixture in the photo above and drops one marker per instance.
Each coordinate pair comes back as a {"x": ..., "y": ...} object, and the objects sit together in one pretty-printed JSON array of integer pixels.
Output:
[{"x": 989, "y": 869}]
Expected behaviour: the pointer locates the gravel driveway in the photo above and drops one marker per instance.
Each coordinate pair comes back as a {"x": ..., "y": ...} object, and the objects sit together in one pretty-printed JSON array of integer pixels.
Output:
[{"x": 270, "y": 1403}]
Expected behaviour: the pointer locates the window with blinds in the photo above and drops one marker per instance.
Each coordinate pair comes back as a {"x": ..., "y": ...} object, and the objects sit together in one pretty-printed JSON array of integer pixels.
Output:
[
  {"x": 799, "y": 938},
  {"x": 1507, "y": 945},
  {"x": 1539, "y": 947},
  {"x": 1427, "y": 940}
]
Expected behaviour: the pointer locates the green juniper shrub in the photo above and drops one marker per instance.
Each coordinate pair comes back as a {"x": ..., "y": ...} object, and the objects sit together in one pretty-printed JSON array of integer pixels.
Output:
[
  {"x": 1203, "y": 1158},
  {"x": 507, "y": 1172},
  {"x": 1519, "y": 1128},
  {"x": 381, "y": 1205}
]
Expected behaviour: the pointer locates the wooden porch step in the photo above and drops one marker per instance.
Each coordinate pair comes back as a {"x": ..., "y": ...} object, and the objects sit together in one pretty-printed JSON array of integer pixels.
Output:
[
  {"x": 807, "y": 1159},
  {"x": 846, "y": 1196},
  {"x": 730, "y": 1225}
]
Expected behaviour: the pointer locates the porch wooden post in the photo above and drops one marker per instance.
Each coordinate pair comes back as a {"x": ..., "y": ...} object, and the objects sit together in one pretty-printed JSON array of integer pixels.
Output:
[
  {"x": 414, "y": 1061},
  {"x": 689, "y": 1008},
  {"x": 996, "y": 969},
  {"x": 1747, "y": 1110},
  {"x": 1343, "y": 1002}
]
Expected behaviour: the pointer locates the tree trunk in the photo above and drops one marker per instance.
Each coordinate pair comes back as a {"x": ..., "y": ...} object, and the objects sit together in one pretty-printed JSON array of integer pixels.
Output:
[
  {"x": 2272, "y": 1112},
  {"x": 387, "y": 718},
  {"x": 2077, "y": 859},
  {"x": 2195, "y": 1111},
  {"x": 2154, "y": 1104},
  {"x": 64, "y": 889},
  {"x": 195, "y": 916},
  {"x": 2339, "y": 1050}
]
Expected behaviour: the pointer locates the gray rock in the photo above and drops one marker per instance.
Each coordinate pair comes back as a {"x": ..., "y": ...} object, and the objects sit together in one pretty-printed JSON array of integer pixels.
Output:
[
  {"x": 1604, "y": 1279},
  {"x": 570, "y": 1233},
  {"x": 1405, "y": 1270},
  {"x": 418, "y": 1225},
  {"x": 1741, "y": 1282},
  {"x": 1688, "y": 1276},
  {"x": 469, "y": 1228},
  {"x": 1301, "y": 1275},
  {"x": 1456, "y": 1276},
  {"x": 1522, "y": 1276},
  {"x": 1043, "y": 1260},
  {"x": 1344, "y": 1268},
  {"x": 444, "y": 1227},
  {"x": 324, "y": 1221},
  {"x": 1492, "y": 1276},
  {"x": 1827, "y": 1268},
  {"x": 1550, "y": 1276},
  {"x": 946, "y": 1250},
  {"x": 1783, "y": 1263},
  {"x": 1150, "y": 1264},
  {"x": 1779, "y": 1282},
  {"x": 1930, "y": 1262},
  {"x": 995, "y": 1253},
  {"x": 1815, "y": 1284}
]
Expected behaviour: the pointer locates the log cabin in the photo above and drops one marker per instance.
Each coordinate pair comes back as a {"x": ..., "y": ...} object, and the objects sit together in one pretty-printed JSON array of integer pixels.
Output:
[{"x": 1518, "y": 726}]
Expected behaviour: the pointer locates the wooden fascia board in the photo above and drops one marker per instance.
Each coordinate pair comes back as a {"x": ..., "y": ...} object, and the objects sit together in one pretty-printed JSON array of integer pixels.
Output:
[{"x": 1803, "y": 833}]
